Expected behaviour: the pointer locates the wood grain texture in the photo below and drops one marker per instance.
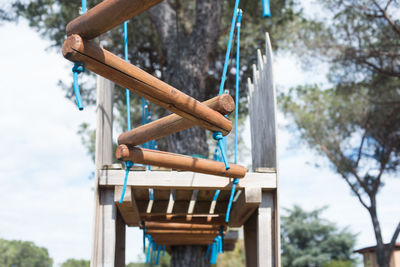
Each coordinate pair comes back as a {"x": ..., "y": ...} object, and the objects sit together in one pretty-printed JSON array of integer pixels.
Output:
[
  {"x": 184, "y": 180},
  {"x": 178, "y": 162},
  {"x": 142, "y": 83},
  {"x": 173, "y": 123},
  {"x": 127, "y": 208},
  {"x": 106, "y": 15}
]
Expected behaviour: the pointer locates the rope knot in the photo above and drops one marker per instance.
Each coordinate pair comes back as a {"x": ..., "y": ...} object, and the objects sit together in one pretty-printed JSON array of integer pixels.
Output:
[
  {"x": 217, "y": 136},
  {"x": 79, "y": 67},
  {"x": 235, "y": 181},
  {"x": 129, "y": 164}
]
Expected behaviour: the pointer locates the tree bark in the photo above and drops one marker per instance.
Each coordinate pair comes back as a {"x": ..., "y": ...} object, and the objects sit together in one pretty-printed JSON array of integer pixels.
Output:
[
  {"x": 382, "y": 252},
  {"x": 188, "y": 57}
]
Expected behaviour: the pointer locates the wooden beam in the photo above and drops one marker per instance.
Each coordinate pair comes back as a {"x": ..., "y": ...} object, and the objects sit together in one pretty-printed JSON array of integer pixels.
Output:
[
  {"x": 106, "y": 15},
  {"x": 173, "y": 123},
  {"x": 128, "y": 208},
  {"x": 244, "y": 207},
  {"x": 178, "y": 162},
  {"x": 142, "y": 83},
  {"x": 184, "y": 180},
  {"x": 187, "y": 226},
  {"x": 180, "y": 207},
  {"x": 182, "y": 232},
  {"x": 217, "y": 220}
]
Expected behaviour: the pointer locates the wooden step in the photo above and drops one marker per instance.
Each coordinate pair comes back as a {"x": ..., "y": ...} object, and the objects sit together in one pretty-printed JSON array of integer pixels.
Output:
[
  {"x": 106, "y": 15},
  {"x": 173, "y": 123},
  {"x": 178, "y": 162},
  {"x": 142, "y": 83}
]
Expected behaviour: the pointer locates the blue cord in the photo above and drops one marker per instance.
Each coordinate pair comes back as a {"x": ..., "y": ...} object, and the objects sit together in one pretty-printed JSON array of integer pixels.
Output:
[
  {"x": 128, "y": 97},
  {"x": 228, "y": 50},
  {"x": 144, "y": 236},
  {"x": 237, "y": 80},
  {"x": 78, "y": 67},
  {"x": 84, "y": 8},
  {"x": 228, "y": 210},
  {"x": 265, "y": 8},
  {"x": 221, "y": 233},
  {"x": 129, "y": 165},
  {"x": 158, "y": 254},
  {"x": 149, "y": 248},
  {"x": 218, "y": 136}
]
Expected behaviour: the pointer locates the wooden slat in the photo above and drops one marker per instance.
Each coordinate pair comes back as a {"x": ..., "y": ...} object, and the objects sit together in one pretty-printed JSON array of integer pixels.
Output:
[
  {"x": 128, "y": 208},
  {"x": 142, "y": 83},
  {"x": 170, "y": 205},
  {"x": 173, "y": 123},
  {"x": 217, "y": 220},
  {"x": 106, "y": 15},
  {"x": 177, "y": 161},
  {"x": 248, "y": 202},
  {"x": 189, "y": 226},
  {"x": 185, "y": 180},
  {"x": 160, "y": 207},
  {"x": 192, "y": 204},
  {"x": 181, "y": 232}
]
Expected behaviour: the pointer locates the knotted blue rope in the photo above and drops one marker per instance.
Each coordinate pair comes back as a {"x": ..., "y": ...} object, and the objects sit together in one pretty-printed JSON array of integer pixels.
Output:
[
  {"x": 218, "y": 136},
  {"x": 144, "y": 236},
  {"x": 158, "y": 254},
  {"x": 221, "y": 234},
  {"x": 149, "y": 248},
  {"x": 265, "y": 8},
  {"x": 78, "y": 67}
]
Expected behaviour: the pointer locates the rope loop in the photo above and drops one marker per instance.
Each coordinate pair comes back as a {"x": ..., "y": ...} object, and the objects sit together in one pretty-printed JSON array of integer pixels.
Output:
[
  {"x": 78, "y": 67},
  {"x": 219, "y": 137}
]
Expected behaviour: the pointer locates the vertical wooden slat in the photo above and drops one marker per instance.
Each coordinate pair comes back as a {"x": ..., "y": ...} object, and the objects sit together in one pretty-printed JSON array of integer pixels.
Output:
[
  {"x": 192, "y": 204},
  {"x": 264, "y": 223},
  {"x": 107, "y": 220}
]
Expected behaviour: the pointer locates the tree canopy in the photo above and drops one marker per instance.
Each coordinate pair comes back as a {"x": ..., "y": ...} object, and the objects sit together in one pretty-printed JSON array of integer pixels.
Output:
[
  {"x": 309, "y": 240},
  {"x": 354, "y": 120},
  {"x": 23, "y": 254}
]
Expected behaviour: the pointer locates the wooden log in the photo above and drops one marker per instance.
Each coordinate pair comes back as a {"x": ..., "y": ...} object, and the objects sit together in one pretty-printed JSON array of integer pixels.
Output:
[
  {"x": 173, "y": 123},
  {"x": 177, "y": 161},
  {"x": 181, "y": 232},
  {"x": 142, "y": 83},
  {"x": 106, "y": 15}
]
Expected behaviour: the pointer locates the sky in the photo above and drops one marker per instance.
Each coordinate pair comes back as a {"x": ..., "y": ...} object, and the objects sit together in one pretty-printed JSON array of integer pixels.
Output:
[{"x": 46, "y": 192}]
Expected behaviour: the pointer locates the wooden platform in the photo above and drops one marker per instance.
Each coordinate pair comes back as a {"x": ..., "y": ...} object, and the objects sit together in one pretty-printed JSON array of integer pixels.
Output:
[{"x": 185, "y": 197}]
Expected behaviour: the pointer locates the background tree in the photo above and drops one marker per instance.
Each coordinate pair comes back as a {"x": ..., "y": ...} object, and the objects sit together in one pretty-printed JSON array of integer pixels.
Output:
[
  {"x": 308, "y": 240},
  {"x": 355, "y": 123},
  {"x": 76, "y": 263},
  {"x": 23, "y": 254},
  {"x": 181, "y": 42}
]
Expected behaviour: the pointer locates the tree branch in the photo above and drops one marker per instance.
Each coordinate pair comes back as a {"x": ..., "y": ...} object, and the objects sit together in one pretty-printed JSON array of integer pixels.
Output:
[
  {"x": 395, "y": 236},
  {"x": 386, "y": 16}
]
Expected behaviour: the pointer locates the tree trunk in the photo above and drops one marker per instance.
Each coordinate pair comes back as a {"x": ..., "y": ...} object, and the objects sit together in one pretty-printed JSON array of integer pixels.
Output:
[
  {"x": 188, "y": 58},
  {"x": 382, "y": 252},
  {"x": 184, "y": 256}
]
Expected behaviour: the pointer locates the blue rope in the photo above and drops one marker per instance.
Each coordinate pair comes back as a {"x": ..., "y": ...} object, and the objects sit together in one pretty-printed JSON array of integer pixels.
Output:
[
  {"x": 228, "y": 210},
  {"x": 78, "y": 67},
  {"x": 149, "y": 248},
  {"x": 214, "y": 251},
  {"x": 221, "y": 233},
  {"x": 218, "y": 136},
  {"x": 237, "y": 80},
  {"x": 84, "y": 8},
  {"x": 158, "y": 254},
  {"x": 228, "y": 50},
  {"x": 129, "y": 165},
  {"x": 128, "y": 97},
  {"x": 265, "y": 8},
  {"x": 163, "y": 250}
]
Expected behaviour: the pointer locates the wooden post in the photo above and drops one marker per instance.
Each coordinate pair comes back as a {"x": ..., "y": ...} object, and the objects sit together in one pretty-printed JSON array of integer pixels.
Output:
[
  {"x": 144, "y": 84},
  {"x": 108, "y": 248},
  {"x": 178, "y": 162},
  {"x": 261, "y": 231},
  {"x": 106, "y": 15},
  {"x": 173, "y": 123}
]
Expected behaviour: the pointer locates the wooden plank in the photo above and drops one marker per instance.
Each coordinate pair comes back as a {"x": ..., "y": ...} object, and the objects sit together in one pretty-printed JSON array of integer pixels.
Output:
[
  {"x": 265, "y": 231},
  {"x": 178, "y": 162},
  {"x": 142, "y": 83},
  {"x": 160, "y": 207},
  {"x": 107, "y": 15},
  {"x": 217, "y": 220},
  {"x": 190, "y": 226},
  {"x": 192, "y": 204},
  {"x": 186, "y": 180},
  {"x": 106, "y": 240},
  {"x": 170, "y": 205},
  {"x": 181, "y": 232},
  {"x": 173, "y": 123},
  {"x": 244, "y": 207},
  {"x": 128, "y": 208}
]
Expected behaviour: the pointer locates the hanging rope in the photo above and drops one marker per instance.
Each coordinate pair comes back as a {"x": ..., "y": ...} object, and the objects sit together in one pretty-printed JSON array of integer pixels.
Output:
[
  {"x": 78, "y": 68},
  {"x": 265, "y": 8},
  {"x": 219, "y": 137}
]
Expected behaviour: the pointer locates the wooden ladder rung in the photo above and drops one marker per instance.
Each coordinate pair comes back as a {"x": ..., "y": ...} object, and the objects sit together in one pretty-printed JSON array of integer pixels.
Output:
[
  {"x": 178, "y": 162},
  {"x": 144, "y": 84},
  {"x": 106, "y": 15},
  {"x": 173, "y": 123}
]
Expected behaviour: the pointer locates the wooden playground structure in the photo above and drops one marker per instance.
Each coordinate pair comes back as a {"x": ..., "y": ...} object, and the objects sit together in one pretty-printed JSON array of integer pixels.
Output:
[{"x": 181, "y": 209}]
